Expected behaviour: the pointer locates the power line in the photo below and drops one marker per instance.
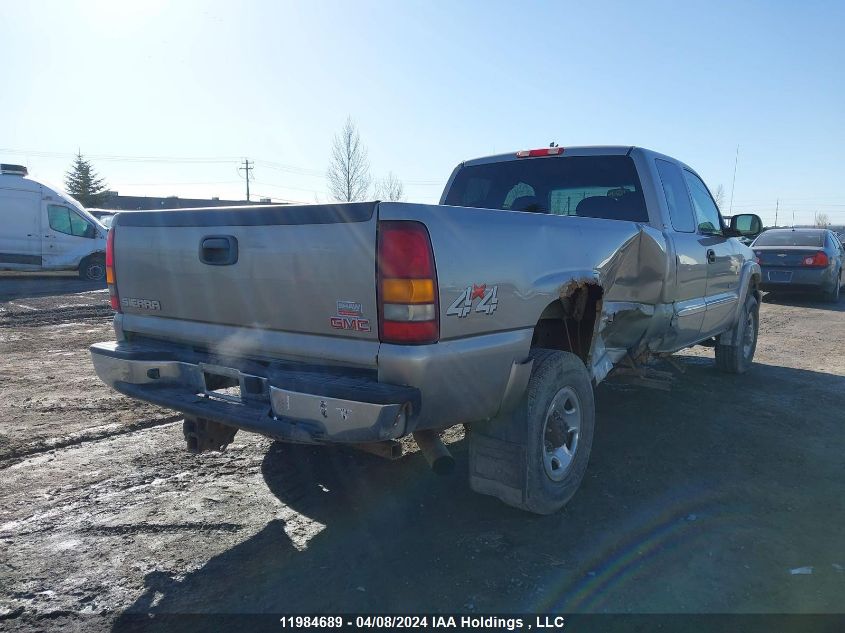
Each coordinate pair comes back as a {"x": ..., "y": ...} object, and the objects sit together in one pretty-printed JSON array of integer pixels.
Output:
[
  {"x": 119, "y": 158},
  {"x": 167, "y": 184},
  {"x": 282, "y": 167}
]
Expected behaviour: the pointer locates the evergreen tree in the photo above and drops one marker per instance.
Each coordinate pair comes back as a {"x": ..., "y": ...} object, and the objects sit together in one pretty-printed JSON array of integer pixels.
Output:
[{"x": 84, "y": 184}]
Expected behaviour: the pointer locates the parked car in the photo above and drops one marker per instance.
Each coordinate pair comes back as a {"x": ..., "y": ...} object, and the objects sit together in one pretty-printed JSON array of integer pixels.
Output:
[
  {"x": 500, "y": 307},
  {"x": 800, "y": 260},
  {"x": 42, "y": 228}
]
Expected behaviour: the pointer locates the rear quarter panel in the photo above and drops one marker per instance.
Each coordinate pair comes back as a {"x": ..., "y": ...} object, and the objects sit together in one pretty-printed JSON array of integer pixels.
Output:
[{"x": 530, "y": 259}]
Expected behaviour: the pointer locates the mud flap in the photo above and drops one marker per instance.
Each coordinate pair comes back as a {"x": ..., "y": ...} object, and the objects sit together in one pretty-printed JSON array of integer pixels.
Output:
[
  {"x": 206, "y": 435},
  {"x": 497, "y": 463}
]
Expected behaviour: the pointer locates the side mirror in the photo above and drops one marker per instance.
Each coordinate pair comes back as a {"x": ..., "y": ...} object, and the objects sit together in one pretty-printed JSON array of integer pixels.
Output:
[{"x": 747, "y": 225}]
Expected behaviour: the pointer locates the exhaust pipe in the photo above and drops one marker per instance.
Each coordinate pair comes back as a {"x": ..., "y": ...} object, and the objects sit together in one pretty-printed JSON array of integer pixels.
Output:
[
  {"x": 436, "y": 454},
  {"x": 388, "y": 450}
]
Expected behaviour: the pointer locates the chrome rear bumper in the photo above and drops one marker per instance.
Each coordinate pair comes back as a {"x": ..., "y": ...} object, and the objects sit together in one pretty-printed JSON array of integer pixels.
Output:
[{"x": 284, "y": 402}]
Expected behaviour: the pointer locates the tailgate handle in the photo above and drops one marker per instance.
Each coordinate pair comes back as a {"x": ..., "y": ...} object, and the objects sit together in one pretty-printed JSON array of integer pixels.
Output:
[{"x": 219, "y": 250}]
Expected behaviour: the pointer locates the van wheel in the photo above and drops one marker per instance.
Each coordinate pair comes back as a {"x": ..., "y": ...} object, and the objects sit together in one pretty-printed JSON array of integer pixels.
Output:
[
  {"x": 93, "y": 268},
  {"x": 736, "y": 359},
  {"x": 534, "y": 459}
]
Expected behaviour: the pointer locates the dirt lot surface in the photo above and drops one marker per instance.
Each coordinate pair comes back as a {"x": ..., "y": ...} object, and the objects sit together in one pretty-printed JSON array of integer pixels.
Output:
[{"x": 708, "y": 498}]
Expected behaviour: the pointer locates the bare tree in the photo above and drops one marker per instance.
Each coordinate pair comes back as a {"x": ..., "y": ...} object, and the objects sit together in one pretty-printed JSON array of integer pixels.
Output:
[
  {"x": 719, "y": 196},
  {"x": 822, "y": 220},
  {"x": 348, "y": 174},
  {"x": 390, "y": 189}
]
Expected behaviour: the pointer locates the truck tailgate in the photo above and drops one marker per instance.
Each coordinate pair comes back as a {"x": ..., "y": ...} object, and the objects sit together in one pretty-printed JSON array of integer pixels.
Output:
[{"x": 300, "y": 269}]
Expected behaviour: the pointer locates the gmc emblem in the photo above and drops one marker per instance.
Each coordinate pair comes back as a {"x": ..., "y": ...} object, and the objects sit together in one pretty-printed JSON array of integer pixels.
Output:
[{"x": 350, "y": 323}]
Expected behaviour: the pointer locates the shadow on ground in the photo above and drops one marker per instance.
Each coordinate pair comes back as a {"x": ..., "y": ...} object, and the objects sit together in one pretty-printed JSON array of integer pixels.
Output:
[
  {"x": 696, "y": 500},
  {"x": 24, "y": 285},
  {"x": 804, "y": 300}
]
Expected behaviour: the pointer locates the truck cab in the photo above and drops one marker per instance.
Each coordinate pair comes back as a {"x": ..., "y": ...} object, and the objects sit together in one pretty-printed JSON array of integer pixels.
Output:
[{"x": 44, "y": 229}]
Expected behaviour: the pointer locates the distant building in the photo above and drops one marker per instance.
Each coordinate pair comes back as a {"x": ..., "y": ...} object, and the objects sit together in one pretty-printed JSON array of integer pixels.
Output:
[{"x": 116, "y": 202}]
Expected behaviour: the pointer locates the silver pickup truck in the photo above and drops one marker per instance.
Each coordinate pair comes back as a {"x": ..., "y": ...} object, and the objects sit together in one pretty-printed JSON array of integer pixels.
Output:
[{"x": 500, "y": 308}]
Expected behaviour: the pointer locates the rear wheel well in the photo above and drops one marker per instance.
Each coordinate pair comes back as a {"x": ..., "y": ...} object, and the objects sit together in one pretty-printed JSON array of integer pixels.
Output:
[{"x": 568, "y": 324}]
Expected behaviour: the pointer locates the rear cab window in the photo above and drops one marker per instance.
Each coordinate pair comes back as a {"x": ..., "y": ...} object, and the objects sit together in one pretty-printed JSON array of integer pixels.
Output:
[
  {"x": 797, "y": 237},
  {"x": 586, "y": 186}
]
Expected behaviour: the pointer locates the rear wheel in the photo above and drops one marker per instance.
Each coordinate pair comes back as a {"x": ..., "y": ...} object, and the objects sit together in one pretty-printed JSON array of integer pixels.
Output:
[
  {"x": 93, "y": 268},
  {"x": 832, "y": 295},
  {"x": 560, "y": 413},
  {"x": 534, "y": 458},
  {"x": 736, "y": 359}
]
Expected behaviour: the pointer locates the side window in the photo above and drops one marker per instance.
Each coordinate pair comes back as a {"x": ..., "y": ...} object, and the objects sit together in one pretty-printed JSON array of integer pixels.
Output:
[
  {"x": 476, "y": 191},
  {"x": 66, "y": 221},
  {"x": 562, "y": 202},
  {"x": 59, "y": 218},
  {"x": 677, "y": 198},
  {"x": 519, "y": 190},
  {"x": 81, "y": 227},
  {"x": 706, "y": 211}
]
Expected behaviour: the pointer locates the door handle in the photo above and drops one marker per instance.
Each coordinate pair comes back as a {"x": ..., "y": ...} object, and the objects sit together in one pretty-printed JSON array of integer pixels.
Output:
[
  {"x": 711, "y": 256},
  {"x": 218, "y": 250}
]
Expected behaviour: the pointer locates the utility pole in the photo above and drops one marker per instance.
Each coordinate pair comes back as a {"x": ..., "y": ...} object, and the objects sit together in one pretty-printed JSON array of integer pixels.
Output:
[
  {"x": 247, "y": 168},
  {"x": 777, "y": 206}
]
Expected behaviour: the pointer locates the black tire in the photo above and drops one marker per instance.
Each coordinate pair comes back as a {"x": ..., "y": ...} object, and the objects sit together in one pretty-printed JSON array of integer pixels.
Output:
[
  {"x": 832, "y": 295},
  {"x": 93, "y": 268},
  {"x": 736, "y": 359},
  {"x": 554, "y": 372}
]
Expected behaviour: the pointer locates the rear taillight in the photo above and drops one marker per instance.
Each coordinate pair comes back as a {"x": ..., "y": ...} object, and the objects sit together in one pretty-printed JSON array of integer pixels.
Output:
[
  {"x": 407, "y": 284},
  {"x": 819, "y": 260},
  {"x": 111, "y": 279}
]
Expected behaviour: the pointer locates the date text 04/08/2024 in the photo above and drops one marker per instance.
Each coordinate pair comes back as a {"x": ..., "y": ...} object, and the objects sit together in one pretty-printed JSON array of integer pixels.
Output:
[{"x": 547, "y": 623}]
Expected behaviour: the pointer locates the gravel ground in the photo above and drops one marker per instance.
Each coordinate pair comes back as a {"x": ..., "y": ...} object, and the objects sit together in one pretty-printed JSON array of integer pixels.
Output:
[{"x": 701, "y": 499}]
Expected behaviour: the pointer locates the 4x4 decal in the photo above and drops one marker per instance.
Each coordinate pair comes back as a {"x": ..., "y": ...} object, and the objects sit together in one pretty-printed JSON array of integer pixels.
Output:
[{"x": 462, "y": 306}]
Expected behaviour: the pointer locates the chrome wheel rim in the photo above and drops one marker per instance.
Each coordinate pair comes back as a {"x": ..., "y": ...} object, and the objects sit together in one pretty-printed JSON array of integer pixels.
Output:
[
  {"x": 749, "y": 335},
  {"x": 561, "y": 433}
]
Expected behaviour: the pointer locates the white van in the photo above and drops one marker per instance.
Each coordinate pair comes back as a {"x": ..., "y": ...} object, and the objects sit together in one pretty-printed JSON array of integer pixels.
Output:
[{"x": 42, "y": 228}]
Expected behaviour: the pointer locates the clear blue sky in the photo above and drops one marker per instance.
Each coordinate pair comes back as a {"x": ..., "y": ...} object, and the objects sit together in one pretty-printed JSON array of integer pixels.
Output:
[{"x": 429, "y": 84}]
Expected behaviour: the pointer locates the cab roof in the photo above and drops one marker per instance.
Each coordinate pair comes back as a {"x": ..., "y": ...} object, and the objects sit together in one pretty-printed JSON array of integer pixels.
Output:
[{"x": 582, "y": 150}]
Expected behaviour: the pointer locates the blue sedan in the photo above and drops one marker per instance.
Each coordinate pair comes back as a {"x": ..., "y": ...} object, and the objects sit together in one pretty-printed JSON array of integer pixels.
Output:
[{"x": 800, "y": 260}]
